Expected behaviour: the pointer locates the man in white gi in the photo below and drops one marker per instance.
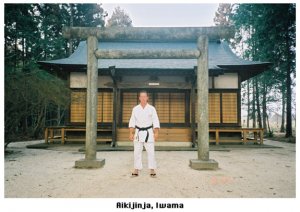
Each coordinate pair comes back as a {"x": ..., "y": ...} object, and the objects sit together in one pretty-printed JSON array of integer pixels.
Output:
[{"x": 144, "y": 126}]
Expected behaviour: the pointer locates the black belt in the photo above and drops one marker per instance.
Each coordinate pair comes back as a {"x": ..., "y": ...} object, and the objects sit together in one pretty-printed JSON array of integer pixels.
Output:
[{"x": 144, "y": 129}]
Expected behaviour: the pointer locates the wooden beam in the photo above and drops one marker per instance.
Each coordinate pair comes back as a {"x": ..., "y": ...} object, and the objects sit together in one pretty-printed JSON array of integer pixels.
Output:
[
  {"x": 46, "y": 135},
  {"x": 147, "y": 54},
  {"x": 193, "y": 111},
  {"x": 149, "y": 33},
  {"x": 114, "y": 123},
  {"x": 63, "y": 135}
]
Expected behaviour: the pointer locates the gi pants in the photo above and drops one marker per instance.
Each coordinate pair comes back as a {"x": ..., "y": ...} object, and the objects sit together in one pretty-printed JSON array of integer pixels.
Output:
[{"x": 138, "y": 150}]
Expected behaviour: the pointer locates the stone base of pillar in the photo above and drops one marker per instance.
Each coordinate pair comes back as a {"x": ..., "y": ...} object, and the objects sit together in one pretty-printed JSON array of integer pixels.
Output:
[
  {"x": 89, "y": 164},
  {"x": 203, "y": 164}
]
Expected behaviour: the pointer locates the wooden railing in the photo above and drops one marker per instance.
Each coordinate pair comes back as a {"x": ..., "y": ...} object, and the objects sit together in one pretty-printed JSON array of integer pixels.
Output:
[
  {"x": 59, "y": 134},
  {"x": 244, "y": 134}
]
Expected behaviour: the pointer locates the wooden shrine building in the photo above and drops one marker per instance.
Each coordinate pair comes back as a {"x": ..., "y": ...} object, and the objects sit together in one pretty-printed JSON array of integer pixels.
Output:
[{"x": 171, "y": 84}]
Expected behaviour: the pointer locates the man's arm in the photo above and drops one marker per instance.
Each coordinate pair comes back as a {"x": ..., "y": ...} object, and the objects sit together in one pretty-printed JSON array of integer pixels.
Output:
[
  {"x": 156, "y": 124},
  {"x": 156, "y": 134},
  {"x": 131, "y": 126},
  {"x": 131, "y": 133}
]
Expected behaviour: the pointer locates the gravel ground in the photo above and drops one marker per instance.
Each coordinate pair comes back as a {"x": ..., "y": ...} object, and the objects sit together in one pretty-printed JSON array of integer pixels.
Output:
[{"x": 268, "y": 172}]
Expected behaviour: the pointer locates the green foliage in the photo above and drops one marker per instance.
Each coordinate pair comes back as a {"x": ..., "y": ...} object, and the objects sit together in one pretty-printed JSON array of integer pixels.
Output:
[
  {"x": 33, "y": 32},
  {"x": 271, "y": 134},
  {"x": 119, "y": 18},
  {"x": 28, "y": 95},
  {"x": 89, "y": 15}
]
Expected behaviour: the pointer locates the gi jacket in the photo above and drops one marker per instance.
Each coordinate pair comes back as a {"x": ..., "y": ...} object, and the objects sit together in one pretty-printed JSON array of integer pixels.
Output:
[{"x": 143, "y": 118}]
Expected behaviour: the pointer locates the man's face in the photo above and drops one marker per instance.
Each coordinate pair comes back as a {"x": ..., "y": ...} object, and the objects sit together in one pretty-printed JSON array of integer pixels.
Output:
[{"x": 143, "y": 98}]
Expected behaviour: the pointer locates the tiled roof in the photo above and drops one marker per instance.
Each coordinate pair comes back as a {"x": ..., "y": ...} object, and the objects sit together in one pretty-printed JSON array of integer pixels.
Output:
[{"x": 220, "y": 55}]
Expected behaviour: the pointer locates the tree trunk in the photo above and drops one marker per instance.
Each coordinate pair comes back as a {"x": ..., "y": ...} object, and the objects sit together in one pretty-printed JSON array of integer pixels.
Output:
[
  {"x": 24, "y": 125},
  {"x": 282, "y": 128},
  {"x": 248, "y": 103},
  {"x": 264, "y": 108},
  {"x": 23, "y": 52},
  {"x": 288, "y": 132},
  {"x": 267, "y": 117},
  {"x": 39, "y": 124},
  {"x": 45, "y": 119},
  {"x": 71, "y": 25},
  {"x": 257, "y": 103},
  {"x": 58, "y": 115},
  {"x": 16, "y": 50},
  {"x": 24, "y": 120},
  {"x": 253, "y": 105}
]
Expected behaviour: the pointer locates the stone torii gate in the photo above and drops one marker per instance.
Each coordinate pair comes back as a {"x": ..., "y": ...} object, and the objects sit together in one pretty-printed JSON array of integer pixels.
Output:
[{"x": 201, "y": 34}]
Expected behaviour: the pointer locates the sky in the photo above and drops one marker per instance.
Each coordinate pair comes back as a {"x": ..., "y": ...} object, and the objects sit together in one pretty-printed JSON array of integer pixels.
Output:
[{"x": 162, "y": 15}]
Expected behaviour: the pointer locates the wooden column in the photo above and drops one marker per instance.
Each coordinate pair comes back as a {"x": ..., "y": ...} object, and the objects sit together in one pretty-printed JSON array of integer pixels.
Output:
[
  {"x": 46, "y": 135},
  {"x": 115, "y": 108},
  {"x": 261, "y": 136},
  {"x": 63, "y": 135},
  {"x": 114, "y": 124},
  {"x": 203, "y": 161},
  {"x": 193, "y": 112},
  {"x": 51, "y": 135},
  {"x": 90, "y": 160}
]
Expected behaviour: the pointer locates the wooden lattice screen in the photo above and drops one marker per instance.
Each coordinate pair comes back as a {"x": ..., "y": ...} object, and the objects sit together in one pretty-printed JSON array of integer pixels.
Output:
[
  {"x": 177, "y": 107},
  {"x": 105, "y": 107},
  {"x": 129, "y": 101},
  {"x": 229, "y": 107},
  {"x": 214, "y": 108},
  {"x": 162, "y": 106},
  {"x": 104, "y": 110},
  {"x": 78, "y": 101}
]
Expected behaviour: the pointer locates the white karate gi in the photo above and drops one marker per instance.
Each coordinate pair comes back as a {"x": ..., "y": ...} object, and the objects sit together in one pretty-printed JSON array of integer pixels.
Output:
[{"x": 144, "y": 117}]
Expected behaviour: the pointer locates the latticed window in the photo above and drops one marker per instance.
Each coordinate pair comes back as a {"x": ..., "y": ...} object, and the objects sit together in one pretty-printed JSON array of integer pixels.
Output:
[
  {"x": 78, "y": 101},
  {"x": 221, "y": 105},
  {"x": 229, "y": 107},
  {"x": 214, "y": 108},
  {"x": 105, "y": 107},
  {"x": 104, "y": 110}
]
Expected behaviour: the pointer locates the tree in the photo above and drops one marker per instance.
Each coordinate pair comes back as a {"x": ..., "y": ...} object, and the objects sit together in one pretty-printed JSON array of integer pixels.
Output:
[
  {"x": 119, "y": 18},
  {"x": 267, "y": 32},
  {"x": 30, "y": 96},
  {"x": 222, "y": 16},
  {"x": 33, "y": 32},
  {"x": 21, "y": 32}
]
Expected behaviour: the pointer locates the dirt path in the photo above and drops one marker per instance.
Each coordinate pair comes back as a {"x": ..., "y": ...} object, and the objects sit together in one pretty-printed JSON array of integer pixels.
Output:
[{"x": 266, "y": 172}]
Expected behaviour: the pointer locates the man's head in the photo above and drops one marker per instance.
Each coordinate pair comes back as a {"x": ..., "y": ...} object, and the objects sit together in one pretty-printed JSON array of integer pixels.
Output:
[{"x": 143, "y": 97}]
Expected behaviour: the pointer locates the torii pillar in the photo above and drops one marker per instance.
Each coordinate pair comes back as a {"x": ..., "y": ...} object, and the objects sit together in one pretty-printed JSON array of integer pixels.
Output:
[
  {"x": 90, "y": 160},
  {"x": 203, "y": 162}
]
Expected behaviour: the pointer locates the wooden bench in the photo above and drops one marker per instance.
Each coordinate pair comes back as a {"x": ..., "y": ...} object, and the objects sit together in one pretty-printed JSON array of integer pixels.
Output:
[
  {"x": 50, "y": 134},
  {"x": 244, "y": 134}
]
